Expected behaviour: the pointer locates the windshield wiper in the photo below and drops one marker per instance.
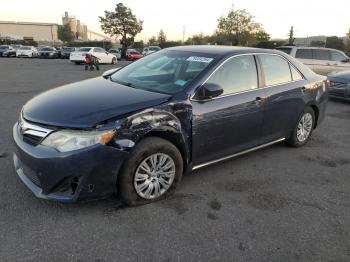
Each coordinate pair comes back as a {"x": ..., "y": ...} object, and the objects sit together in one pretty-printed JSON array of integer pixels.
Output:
[{"x": 123, "y": 83}]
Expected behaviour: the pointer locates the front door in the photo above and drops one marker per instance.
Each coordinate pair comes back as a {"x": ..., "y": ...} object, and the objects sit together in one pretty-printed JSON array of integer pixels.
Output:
[{"x": 232, "y": 122}]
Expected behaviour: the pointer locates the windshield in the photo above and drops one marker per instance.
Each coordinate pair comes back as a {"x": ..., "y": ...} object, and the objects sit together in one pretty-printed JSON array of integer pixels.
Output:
[
  {"x": 164, "y": 72},
  {"x": 46, "y": 49},
  {"x": 84, "y": 49},
  {"x": 25, "y": 48},
  {"x": 68, "y": 49},
  {"x": 4, "y": 47},
  {"x": 154, "y": 48}
]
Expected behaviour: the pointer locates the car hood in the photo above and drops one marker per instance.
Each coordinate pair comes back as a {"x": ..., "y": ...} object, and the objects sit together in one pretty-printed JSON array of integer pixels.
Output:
[
  {"x": 87, "y": 103},
  {"x": 341, "y": 76}
]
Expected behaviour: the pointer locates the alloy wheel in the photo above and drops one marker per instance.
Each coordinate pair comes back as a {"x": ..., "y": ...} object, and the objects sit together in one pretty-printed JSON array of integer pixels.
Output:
[
  {"x": 154, "y": 176},
  {"x": 304, "y": 127}
]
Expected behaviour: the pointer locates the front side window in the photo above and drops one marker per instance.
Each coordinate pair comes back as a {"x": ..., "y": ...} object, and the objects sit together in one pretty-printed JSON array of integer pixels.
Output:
[
  {"x": 304, "y": 54},
  {"x": 238, "y": 74},
  {"x": 276, "y": 69},
  {"x": 166, "y": 72},
  {"x": 337, "y": 56},
  {"x": 321, "y": 54}
]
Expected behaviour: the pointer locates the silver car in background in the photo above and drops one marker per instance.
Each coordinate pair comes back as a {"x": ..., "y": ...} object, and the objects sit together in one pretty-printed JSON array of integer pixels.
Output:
[{"x": 321, "y": 60}]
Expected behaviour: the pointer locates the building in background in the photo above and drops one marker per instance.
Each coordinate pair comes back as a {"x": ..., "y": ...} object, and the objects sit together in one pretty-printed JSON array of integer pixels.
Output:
[
  {"x": 40, "y": 32},
  {"x": 78, "y": 29}
]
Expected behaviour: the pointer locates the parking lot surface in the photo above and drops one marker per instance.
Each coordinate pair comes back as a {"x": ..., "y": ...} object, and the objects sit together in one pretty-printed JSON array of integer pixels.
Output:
[{"x": 275, "y": 204}]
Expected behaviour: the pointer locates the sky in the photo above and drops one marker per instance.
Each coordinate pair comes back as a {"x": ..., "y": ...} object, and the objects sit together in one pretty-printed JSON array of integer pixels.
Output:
[{"x": 309, "y": 17}]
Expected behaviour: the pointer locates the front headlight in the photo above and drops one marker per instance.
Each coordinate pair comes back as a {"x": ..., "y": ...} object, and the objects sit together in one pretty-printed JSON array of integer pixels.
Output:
[{"x": 65, "y": 140}]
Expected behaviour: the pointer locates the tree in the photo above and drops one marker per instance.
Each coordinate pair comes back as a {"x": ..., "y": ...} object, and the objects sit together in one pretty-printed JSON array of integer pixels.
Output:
[
  {"x": 121, "y": 22},
  {"x": 335, "y": 42},
  {"x": 65, "y": 33},
  {"x": 291, "y": 36},
  {"x": 198, "y": 39},
  {"x": 161, "y": 37},
  {"x": 317, "y": 43},
  {"x": 261, "y": 35},
  {"x": 239, "y": 27},
  {"x": 152, "y": 41}
]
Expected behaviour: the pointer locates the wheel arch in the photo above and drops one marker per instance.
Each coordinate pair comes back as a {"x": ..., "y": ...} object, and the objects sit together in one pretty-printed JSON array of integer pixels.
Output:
[{"x": 315, "y": 108}]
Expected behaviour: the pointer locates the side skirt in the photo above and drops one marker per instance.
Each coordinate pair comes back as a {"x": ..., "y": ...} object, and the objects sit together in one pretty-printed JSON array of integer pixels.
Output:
[{"x": 237, "y": 154}]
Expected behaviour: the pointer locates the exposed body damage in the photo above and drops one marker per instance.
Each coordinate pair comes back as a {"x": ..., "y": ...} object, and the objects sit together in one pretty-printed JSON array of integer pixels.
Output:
[{"x": 172, "y": 121}]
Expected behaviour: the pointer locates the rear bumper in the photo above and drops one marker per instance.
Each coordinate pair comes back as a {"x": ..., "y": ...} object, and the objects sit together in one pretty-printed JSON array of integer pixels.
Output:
[{"x": 89, "y": 173}]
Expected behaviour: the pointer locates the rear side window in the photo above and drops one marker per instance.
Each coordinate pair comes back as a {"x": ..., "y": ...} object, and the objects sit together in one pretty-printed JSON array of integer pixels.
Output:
[
  {"x": 304, "y": 54},
  {"x": 236, "y": 75},
  {"x": 276, "y": 69},
  {"x": 295, "y": 74},
  {"x": 320, "y": 54},
  {"x": 337, "y": 56}
]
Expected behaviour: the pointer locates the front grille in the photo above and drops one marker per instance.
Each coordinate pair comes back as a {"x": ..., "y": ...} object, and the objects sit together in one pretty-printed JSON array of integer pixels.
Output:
[{"x": 32, "y": 134}]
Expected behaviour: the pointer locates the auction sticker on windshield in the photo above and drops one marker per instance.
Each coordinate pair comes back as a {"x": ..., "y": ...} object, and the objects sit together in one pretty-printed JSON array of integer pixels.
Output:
[{"x": 200, "y": 59}]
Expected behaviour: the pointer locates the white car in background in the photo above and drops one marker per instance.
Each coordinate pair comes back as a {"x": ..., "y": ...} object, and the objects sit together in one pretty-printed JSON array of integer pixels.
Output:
[
  {"x": 78, "y": 56},
  {"x": 27, "y": 51},
  {"x": 150, "y": 49}
]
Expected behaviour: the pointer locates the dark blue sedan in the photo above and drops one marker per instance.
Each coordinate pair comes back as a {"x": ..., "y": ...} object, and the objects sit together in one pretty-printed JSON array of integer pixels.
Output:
[{"x": 135, "y": 130}]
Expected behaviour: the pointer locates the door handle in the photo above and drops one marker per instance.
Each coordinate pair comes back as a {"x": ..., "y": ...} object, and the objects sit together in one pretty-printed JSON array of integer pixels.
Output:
[{"x": 258, "y": 100}]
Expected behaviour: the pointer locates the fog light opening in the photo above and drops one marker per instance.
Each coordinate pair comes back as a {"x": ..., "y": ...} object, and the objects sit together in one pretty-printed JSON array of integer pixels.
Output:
[{"x": 91, "y": 187}]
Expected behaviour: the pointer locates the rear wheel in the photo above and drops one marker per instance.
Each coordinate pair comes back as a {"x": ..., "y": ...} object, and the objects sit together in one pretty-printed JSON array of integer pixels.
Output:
[
  {"x": 152, "y": 171},
  {"x": 303, "y": 129}
]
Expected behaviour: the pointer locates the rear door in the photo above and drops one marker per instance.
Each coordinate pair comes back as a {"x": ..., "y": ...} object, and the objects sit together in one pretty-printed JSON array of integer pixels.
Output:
[
  {"x": 305, "y": 55},
  {"x": 284, "y": 97},
  {"x": 322, "y": 61},
  {"x": 232, "y": 122}
]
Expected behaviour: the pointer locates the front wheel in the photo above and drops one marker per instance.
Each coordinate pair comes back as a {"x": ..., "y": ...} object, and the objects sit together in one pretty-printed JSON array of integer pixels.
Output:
[
  {"x": 303, "y": 129},
  {"x": 114, "y": 61},
  {"x": 152, "y": 171}
]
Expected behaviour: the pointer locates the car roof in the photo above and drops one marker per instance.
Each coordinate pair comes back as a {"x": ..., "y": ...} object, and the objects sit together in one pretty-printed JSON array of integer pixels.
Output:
[{"x": 223, "y": 50}]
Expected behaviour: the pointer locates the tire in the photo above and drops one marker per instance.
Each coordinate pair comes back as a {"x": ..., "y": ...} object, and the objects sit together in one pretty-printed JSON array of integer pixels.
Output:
[
  {"x": 300, "y": 138},
  {"x": 114, "y": 61},
  {"x": 127, "y": 185},
  {"x": 77, "y": 63}
]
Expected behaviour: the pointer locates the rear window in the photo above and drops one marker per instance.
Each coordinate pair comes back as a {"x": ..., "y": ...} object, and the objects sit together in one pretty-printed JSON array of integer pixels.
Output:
[
  {"x": 321, "y": 54},
  {"x": 84, "y": 49},
  {"x": 46, "y": 49},
  {"x": 304, "y": 54},
  {"x": 286, "y": 50},
  {"x": 25, "y": 48}
]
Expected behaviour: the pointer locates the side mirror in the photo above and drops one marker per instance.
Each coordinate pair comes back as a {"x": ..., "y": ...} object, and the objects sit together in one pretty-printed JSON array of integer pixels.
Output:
[
  {"x": 347, "y": 60},
  {"x": 210, "y": 90},
  {"x": 110, "y": 72}
]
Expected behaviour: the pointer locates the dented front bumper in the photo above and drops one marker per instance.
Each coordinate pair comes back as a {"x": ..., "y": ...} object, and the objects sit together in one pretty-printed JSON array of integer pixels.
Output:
[{"x": 88, "y": 173}]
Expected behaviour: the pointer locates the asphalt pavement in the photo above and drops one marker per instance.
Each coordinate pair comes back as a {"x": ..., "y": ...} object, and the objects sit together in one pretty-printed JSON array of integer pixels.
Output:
[{"x": 276, "y": 204}]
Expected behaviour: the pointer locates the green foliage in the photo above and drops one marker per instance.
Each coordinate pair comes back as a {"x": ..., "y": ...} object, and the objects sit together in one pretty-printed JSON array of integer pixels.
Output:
[
  {"x": 291, "y": 36},
  {"x": 170, "y": 44},
  {"x": 199, "y": 39},
  {"x": 316, "y": 43},
  {"x": 239, "y": 28},
  {"x": 153, "y": 41},
  {"x": 103, "y": 44},
  {"x": 121, "y": 22},
  {"x": 161, "y": 37},
  {"x": 18, "y": 42},
  {"x": 270, "y": 44},
  {"x": 335, "y": 42},
  {"x": 138, "y": 45},
  {"x": 65, "y": 33}
]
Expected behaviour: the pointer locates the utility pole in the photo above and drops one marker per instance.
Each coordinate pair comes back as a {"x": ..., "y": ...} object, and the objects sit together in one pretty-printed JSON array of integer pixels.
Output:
[{"x": 183, "y": 34}]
